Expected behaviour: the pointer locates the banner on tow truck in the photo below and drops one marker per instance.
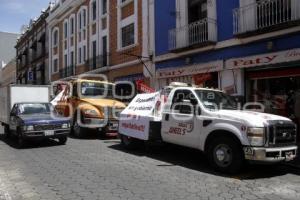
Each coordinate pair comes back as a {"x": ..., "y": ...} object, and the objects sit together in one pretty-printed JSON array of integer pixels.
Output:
[{"x": 135, "y": 119}]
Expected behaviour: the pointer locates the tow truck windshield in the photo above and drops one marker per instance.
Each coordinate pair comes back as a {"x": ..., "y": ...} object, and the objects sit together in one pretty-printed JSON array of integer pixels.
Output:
[
  {"x": 216, "y": 100},
  {"x": 97, "y": 89}
]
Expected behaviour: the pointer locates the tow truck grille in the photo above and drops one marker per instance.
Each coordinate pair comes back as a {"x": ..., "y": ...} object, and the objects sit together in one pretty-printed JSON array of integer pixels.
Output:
[
  {"x": 282, "y": 134},
  {"x": 43, "y": 127}
]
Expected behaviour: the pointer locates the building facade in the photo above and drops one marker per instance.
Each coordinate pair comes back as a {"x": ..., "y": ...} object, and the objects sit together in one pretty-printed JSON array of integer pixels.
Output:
[
  {"x": 8, "y": 74},
  {"x": 109, "y": 37},
  {"x": 32, "y": 52},
  {"x": 249, "y": 48},
  {"x": 7, "y": 51}
]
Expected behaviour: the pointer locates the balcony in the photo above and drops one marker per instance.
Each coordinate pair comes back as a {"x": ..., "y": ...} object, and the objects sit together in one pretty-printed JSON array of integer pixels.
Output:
[
  {"x": 197, "y": 34},
  {"x": 266, "y": 16},
  {"x": 97, "y": 62},
  {"x": 67, "y": 72}
]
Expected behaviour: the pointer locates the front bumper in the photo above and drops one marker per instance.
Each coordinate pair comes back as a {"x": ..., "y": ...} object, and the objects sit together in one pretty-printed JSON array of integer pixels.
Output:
[
  {"x": 274, "y": 155},
  {"x": 53, "y": 134},
  {"x": 107, "y": 125}
]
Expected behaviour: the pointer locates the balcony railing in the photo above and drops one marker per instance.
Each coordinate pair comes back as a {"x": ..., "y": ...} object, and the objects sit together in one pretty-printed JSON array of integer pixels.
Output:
[
  {"x": 67, "y": 72},
  {"x": 194, "y": 34},
  {"x": 265, "y": 14},
  {"x": 97, "y": 62}
]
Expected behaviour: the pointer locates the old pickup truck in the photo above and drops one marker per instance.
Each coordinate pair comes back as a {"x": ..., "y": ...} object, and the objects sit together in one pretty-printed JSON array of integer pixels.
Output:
[{"x": 26, "y": 113}]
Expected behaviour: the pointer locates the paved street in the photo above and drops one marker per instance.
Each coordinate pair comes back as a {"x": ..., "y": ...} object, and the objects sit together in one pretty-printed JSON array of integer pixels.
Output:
[{"x": 96, "y": 169}]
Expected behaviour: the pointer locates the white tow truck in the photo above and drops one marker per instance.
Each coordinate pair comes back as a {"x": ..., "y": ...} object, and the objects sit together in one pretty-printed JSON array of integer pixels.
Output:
[{"x": 208, "y": 120}]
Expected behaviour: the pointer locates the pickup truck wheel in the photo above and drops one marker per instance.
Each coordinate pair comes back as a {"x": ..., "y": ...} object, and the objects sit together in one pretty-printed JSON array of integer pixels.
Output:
[
  {"x": 62, "y": 140},
  {"x": 225, "y": 155},
  {"x": 130, "y": 143}
]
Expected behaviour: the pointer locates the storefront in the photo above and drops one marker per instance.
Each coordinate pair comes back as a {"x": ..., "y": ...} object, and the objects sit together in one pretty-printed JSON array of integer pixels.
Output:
[
  {"x": 204, "y": 75},
  {"x": 274, "y": 80}
]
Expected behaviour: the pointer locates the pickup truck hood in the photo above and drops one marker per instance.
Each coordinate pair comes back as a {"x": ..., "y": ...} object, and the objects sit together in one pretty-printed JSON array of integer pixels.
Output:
[
  {"x": 42, "y": 119},
  {"x": 104, "y": 103},
  {"x": 250, "y": 118}
]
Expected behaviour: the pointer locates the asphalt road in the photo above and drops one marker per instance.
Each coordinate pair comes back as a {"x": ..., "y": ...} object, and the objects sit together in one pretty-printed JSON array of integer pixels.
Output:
[{"x": 101, "y": 169}]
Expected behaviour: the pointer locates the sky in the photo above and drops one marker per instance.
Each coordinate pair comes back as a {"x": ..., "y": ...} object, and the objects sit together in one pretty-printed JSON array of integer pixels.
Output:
[{"x": 15, "y": 13}]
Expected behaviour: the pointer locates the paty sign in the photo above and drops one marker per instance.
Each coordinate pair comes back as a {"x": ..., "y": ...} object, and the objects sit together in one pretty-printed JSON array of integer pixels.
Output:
[{"x": 263, "y": 59}]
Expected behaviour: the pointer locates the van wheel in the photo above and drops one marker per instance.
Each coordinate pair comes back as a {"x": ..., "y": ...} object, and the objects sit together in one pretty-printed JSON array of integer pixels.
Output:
[
  {"x": 226, "y": 155},
  {"x": 130, "y": 143},
  {"x": 6, "y": 131},
  {"x": 63, "y": 140},
  {"x": 20, "y": 140}
]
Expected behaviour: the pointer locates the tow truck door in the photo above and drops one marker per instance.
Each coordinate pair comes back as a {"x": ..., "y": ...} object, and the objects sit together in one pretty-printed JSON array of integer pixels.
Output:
[{"x": 180, "y": 123}]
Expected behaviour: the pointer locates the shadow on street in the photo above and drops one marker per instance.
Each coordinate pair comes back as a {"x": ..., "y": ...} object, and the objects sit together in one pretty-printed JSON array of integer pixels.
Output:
[
  {"x": 12, "y": 142},
  {"x": 192, "y": 159}
]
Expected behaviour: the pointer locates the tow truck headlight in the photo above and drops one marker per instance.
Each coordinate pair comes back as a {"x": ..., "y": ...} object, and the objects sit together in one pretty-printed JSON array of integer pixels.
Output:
[
  {"x": 28, "y": 128},
  {"x": 256, "y": 136},
  {"x": 65, "y": 126}
]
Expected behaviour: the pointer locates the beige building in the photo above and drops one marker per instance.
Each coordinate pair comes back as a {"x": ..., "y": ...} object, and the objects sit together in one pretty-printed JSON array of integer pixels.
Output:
[
  {"x": 110, "y": 37},
  {"x": 8, "y": 74}
]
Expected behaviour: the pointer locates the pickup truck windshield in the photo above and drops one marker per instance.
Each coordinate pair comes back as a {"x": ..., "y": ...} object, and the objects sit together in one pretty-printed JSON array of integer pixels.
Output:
[
  {"x": 34, "y": 108},
  {"x": 215, "y": 100},
  {"x": 96, "y": 89}
]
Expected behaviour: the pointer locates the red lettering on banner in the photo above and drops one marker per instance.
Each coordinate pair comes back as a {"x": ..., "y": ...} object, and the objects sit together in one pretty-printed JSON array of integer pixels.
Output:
[{"x": 140, "y": 128}]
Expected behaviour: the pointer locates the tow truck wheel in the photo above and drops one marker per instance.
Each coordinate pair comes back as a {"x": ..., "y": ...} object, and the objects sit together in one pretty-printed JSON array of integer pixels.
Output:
[
  {"x": 62, "y": 140},
  {"x": 129, "y": 142},
  {"x": 226, "y": 155},
  {"x": 77, "y": 131}
]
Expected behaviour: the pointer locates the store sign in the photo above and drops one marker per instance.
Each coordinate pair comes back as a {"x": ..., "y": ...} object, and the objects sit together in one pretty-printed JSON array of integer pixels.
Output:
[
  {"x": 142, "y": 87},
  {"x": 30, "y": 76},
  {"x": 190, "y": 70},
  {"x": 200, "y": 79},
  {"x": 264, "y": 59}
]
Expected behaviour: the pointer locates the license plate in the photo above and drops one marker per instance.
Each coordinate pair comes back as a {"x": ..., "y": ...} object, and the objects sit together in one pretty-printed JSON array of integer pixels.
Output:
[
  {"x": 49, "y": 133},
  {"x": 289, "y": 155},
  {"x": 114, "y": 126}
]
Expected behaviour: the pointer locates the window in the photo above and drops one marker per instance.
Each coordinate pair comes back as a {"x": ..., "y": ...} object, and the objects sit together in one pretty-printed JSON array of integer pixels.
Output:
[
  {"x": 104, "y": 7},
  {"x": 94, "y": 50},
  {"x": 104, "y": 50},
  {"x": 65, "y": 30},
  {"x": 84, "y": 53},
  {"x": 79, "y": 56},
  {"x": 184, "y": 102},
  {"x": 66, "y": 61},
  {"x": 128, "y": 35},
  {"x": 72, "y": 58},
  {"x": 84, "y": 17},
  {"x": 72, "y": 26},
  {"x": 80, "y": 21},
  {"x": 55, "y": 66},
  {"x": 94, "y": 10},
  {"x": 197, "y": 10},
  {"x": 55, "y": 38}
]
